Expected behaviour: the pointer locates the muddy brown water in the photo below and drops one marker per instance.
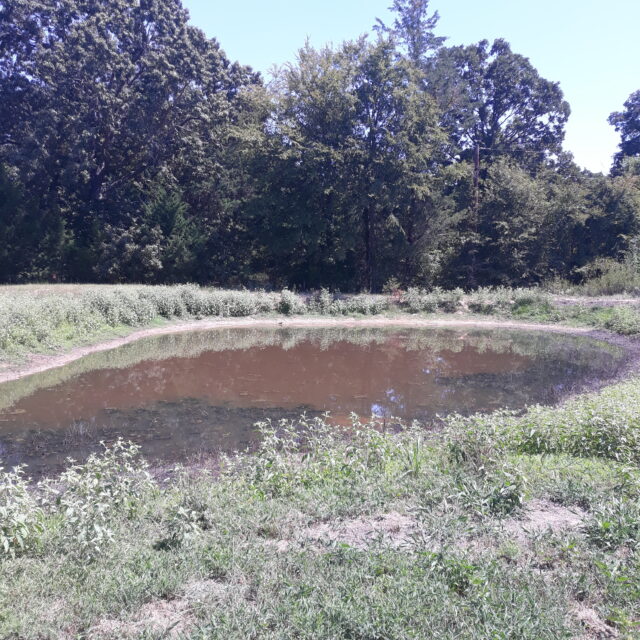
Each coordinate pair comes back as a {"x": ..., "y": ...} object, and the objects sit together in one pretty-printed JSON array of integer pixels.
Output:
[{"x": 202, "y": 392}]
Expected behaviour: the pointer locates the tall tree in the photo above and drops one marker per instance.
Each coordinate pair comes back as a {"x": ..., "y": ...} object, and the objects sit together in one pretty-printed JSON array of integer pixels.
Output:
[
  {"x": 627, "y": 124},
  {"x": 359, "y": 151},
  {"x": 414, "y": 28},
  {"x": 100, "y": 100},
  {"x": 495, "y": 99}
]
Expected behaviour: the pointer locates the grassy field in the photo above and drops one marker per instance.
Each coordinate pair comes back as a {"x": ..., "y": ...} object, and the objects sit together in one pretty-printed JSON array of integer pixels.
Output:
[
  {"x": 496, "y": 526},
  {"x": 45, "y": 318}
]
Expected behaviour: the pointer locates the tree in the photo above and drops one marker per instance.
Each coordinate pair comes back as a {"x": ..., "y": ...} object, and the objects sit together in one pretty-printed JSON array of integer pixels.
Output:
[
  {"x": 495, "y": 99},
  {"x": 101, "y": 100},
  {"x": 627, "y": 124},
  {"x": 356, "y": 145},
  {"x": 414, "y": 28}
]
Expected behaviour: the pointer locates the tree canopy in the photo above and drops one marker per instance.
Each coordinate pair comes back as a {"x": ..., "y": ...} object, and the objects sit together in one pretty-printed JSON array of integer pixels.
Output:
[
  {"x": 627, "y": 124},
  {"x": 132, "y": 149}
]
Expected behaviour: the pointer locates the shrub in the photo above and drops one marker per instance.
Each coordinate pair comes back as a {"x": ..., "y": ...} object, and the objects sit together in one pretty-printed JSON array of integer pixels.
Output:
[
  {"x": 448, "y": 301},
  {"x": 322, "y": 302},
  {"x": 489, "y": 300},
  {"x": 623, "y": 320},
  {"x": 365, "y": 304},
  {"x": 418, "y": 300},
  {"x": 89, "y": 497},
  {"x": 290, "y": 303},
  {"x": 20, "y": 514},
  {"x": 605, "y": 276}
]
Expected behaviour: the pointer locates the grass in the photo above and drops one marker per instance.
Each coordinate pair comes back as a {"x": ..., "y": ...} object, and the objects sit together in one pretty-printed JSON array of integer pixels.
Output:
[
  {"x": 40, "y": 319},
  {"x": 328, "y": 534}
]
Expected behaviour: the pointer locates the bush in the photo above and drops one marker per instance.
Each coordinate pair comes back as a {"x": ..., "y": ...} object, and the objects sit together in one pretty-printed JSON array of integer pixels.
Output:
[
  {"x": 290, "y": 303},
  {"x": 89, "y": 497},
  {"x": 322, "y": 302},
  {"x": 490, "y": 300},
  {"x": 624, "y": 321},
  {"x": 20, "y": 514},
  {"x": 366, "y": 304},
  {"x": 418, "y": 300},
  {"x": 606, "y": 276}
]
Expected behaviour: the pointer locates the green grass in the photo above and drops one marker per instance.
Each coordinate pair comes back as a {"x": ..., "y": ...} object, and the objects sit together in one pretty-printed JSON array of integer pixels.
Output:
[
  {"x": 43, "y": 319},
  {"x": 620, "y": 320},
  {"x": 282, "y": 543}
]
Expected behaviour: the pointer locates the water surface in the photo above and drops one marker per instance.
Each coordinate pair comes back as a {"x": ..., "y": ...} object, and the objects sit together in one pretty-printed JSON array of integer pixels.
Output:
[{"x": 201, "y": 392}]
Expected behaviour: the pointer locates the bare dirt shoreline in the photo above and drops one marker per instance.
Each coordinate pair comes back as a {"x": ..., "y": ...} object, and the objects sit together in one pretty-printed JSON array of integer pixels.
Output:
[{"x": 37, "y": 363}]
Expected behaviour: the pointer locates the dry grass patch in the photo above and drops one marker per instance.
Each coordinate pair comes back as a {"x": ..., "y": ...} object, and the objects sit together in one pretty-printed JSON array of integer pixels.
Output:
[
  {"x": 541, "y": 516},
  {"x": 171, "y": 618},
  {"x": 595, "y": 628}
]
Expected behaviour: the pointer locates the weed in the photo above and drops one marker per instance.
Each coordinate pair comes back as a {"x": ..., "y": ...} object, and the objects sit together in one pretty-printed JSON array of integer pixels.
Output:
[{"x": 20, "y": 515}]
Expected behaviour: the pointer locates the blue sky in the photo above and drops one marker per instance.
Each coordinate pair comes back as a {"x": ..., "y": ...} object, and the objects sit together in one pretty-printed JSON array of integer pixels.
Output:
[{"x": 592, "y": 47}]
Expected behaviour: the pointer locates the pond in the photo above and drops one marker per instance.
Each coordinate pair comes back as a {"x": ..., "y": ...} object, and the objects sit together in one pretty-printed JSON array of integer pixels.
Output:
[{"x": 195, "y": 393}]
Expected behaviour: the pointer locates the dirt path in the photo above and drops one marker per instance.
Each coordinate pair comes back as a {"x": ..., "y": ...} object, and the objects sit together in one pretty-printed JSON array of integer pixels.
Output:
[
  {"x": 38, "y": 363},
  {"x": 604, "y": 301}
]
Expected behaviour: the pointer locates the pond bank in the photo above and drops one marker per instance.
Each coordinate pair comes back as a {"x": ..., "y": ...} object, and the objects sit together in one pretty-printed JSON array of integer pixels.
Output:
[
  {"x": 485, "y": 529},
  {"x": 494, "y": 526},
  {"x": 36, "y": 363}
]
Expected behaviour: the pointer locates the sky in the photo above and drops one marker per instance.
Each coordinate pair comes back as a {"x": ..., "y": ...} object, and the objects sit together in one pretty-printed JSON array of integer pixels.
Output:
[{"x": 591, "y": 47}]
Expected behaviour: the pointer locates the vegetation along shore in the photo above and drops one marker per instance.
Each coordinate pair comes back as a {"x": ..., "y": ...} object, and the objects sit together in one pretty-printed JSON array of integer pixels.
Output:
[{"x": 495, "y": 525}]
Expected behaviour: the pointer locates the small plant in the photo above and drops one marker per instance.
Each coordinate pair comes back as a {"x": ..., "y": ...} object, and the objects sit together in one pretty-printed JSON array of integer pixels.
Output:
[
  {"x": 613, "y": 524},
  {"x": 20, "y": 514},
  {"x": 184, "y": 522},
  {"x": 88, "y": 497},
  {"x": 458, "y": 574},
  {"x": 506, "y": 492}
]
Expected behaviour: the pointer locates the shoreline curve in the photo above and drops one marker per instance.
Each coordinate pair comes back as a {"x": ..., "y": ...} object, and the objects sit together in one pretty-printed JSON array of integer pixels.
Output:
[{"x": 37, "y": 363}]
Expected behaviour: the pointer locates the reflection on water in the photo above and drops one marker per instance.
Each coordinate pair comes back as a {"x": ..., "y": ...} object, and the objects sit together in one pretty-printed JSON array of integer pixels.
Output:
[{"x": 202, "y": 392}]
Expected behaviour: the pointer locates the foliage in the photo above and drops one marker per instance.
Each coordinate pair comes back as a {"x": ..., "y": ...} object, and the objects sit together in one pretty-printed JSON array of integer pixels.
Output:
[
  {"x": 290, "y": 304},
  {"x": 416, "y": 300},
  {"x": 499, "y": 102},
  {"x": 90, "y": 496},
  {"x": 414, "y": 27},
  {"x": 599, "y": 425},
  {"x": 105, "y": 110},
  {"x": 614, "y": 524},
  {"x": 20, "y": 515},
  {"x": 132, "y": 150},
  {"x": 606, "y": 276},
  {"x": 45, "y": 318},
  {"x": 627, "y": 124}
]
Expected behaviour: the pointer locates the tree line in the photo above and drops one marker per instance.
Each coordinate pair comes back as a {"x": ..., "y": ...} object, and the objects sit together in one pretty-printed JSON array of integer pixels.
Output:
[{"x": 133, "y": 150}]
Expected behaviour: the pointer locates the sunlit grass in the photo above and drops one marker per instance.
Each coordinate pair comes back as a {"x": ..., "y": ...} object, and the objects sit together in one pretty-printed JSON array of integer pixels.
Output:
[{"x": 41, "y": 318}]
